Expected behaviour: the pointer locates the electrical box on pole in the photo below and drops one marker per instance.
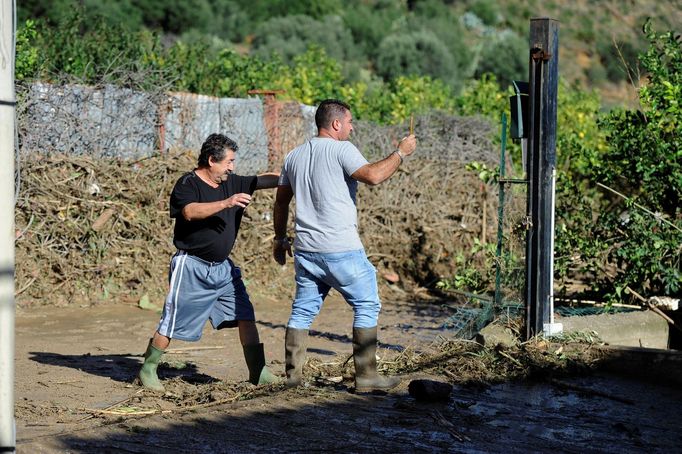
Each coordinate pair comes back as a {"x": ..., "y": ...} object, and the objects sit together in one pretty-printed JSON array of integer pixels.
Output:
[{"x": 541, "y": 169}]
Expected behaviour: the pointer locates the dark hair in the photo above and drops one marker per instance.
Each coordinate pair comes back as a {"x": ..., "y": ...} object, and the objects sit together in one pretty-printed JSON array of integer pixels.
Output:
[
  {"x": 215, "y": 145},
  {"x": 328, "y": 111}
]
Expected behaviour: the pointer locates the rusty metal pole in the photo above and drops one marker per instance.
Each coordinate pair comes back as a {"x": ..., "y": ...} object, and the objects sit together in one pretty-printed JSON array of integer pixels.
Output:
[
  {"x": 541, "y": 166},
  {"x": 271, "y": 108}
]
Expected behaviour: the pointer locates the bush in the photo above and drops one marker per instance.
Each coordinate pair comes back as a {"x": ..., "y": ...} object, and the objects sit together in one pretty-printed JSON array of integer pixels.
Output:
[
  {"x": 370, "y": 23},
  {"x": 292, "y": 35},
  {"x": 619, "y": 59},
  {"x": 631, "y": 239},
  {"x": 486, "y": 10},
  {"x": 506, "y": 56},
  {"x": 27, "y": 62},
  {"x": 105, "y": 52},
  {"x": 263, "y": 10},
  {"x": 447, "y": 28},
  {"x": 54, "y": 12},
  {"x": 313, "y": 77},
  {"x": 413, "y": 54}
]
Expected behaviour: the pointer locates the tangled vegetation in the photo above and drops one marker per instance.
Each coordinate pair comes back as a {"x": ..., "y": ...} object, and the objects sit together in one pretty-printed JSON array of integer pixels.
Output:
[{"x": 97, "y": 230}]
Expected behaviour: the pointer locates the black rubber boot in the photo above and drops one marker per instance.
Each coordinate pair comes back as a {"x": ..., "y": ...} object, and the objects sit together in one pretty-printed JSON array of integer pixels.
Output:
[
  {"x": 259, "y": 373},
  {"x": 364, "y": 355},
  {"x": 147, "y": 374},
  {"x": 295, "y": 341}
]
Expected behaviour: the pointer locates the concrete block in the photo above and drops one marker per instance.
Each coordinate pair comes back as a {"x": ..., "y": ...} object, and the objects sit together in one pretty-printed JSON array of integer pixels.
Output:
[{"x": 630, "y": 329}]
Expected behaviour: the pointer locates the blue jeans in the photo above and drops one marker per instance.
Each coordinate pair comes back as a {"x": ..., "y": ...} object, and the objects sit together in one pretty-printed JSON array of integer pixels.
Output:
[{"x": 350, "y": 273}]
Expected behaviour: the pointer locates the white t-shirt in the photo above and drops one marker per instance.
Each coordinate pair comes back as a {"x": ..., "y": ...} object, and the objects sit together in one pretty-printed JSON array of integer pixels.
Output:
[{"x": 319, "y": 173}]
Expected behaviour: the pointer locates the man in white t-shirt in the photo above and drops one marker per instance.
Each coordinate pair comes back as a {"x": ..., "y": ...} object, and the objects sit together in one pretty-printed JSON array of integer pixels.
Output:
[{"x": 323, "y": 175}]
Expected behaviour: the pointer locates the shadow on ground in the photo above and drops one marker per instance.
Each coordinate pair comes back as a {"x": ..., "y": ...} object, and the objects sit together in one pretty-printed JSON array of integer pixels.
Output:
[
  {"x": 509, "y": 417},
  {"x": 122, "y": 368}
]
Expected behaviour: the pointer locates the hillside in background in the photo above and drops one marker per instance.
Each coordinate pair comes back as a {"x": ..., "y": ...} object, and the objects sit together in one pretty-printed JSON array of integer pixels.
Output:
[{"x": 380, "y": 40}]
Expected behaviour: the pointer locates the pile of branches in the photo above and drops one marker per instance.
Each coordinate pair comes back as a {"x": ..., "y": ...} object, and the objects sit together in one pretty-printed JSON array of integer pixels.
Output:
[{"x": 93, "y": 230}]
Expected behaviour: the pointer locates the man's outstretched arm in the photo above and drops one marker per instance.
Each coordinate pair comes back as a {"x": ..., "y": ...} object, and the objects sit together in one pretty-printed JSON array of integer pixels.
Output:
[
  {"x": 379, "y": 171},
  {"x": 267, "y": 180}
]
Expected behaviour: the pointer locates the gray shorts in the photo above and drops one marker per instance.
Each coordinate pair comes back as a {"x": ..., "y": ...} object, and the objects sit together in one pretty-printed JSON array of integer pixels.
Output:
[{"x": 200, "y": 291}]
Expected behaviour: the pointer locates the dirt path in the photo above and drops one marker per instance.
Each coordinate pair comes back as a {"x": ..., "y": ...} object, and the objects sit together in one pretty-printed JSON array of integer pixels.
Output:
[{"x": 72, "y": 362}]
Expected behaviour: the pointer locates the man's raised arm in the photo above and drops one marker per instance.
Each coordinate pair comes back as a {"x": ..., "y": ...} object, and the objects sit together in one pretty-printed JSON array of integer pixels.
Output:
[{"x": 379, "y": 171}]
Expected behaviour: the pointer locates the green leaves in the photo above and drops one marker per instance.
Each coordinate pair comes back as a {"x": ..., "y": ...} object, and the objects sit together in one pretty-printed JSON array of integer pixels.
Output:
[{"x": 632, "y": 235}]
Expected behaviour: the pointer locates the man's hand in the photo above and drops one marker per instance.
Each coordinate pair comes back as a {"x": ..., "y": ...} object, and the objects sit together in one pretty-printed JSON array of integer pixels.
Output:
[
  {"x": 407, "y": 145},
  {"x": 238, "y": 200},
  {"x": 280, "y": 249},
  {"x": 201, "y": 210}
]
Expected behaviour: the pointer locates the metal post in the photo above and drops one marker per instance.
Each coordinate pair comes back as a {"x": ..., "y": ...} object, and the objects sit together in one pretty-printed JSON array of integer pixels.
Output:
[
  {"x": 541, "y": 166},
  {"x": 7, "y": 100},
  {"x": 500, "y": 215}
]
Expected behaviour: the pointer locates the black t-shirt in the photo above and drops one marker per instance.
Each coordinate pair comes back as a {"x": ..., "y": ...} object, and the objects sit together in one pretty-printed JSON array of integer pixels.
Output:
[{"x": 211, "y": 238}]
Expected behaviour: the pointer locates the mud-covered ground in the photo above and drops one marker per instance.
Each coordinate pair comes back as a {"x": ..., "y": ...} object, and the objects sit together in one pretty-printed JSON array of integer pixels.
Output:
[{"x": 74, "y": 393}]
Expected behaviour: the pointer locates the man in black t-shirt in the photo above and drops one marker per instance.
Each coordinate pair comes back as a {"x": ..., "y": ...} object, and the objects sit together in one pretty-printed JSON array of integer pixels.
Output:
[{"x": 207, "y": 205}]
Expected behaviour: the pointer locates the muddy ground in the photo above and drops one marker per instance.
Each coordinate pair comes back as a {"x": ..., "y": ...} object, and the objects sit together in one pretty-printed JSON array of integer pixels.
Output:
[{"x": 74, "y": 393}]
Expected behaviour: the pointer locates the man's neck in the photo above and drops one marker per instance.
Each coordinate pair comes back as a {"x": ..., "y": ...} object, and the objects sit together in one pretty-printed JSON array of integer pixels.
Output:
[
  {"x": 203, "y": 174},
  {"x": 326, "y": 134}
]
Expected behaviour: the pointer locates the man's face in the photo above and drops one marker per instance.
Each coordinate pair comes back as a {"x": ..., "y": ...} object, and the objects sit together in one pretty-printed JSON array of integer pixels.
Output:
[
  {"x": 346, "y": 126},
  {"x": 221, "y": 170}
]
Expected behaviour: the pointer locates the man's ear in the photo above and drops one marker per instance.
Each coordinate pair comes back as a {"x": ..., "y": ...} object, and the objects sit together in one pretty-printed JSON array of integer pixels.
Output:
[{"x": 336, "y": 124}]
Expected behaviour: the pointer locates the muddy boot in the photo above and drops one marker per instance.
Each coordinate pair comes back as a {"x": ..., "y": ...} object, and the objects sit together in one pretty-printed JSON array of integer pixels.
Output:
[
  {"x": 294, "y": 354},
  {"x": 364, "y": 356},
  {"x": 147, "y": 374},
  {"x": 259, "y": 374}
]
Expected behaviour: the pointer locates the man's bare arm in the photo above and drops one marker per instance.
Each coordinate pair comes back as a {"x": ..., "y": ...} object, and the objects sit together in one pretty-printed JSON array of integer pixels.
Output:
[
  {"x": 201, "y": 210},
  {"x": 379, "y": 171}
]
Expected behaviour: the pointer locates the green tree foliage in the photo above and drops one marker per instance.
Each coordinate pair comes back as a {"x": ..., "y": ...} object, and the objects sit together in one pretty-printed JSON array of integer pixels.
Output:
[
  {"x": 262, "y": 10},
  {"x": 487, "y": 11},
  {"x": 505, "y": 55},
  {"x": 123, "y": 13},
  {"x": 633, "y": 238},
  {"x": 483, "y": 97},
  {"x": 102, "y": 52},
  {"x": 27, "y": 59},
  {"x": 175, "y": 16},
  {"x": 435, "y": 17},
  {"x": 411, "y": 54},
  {"x": 645, "y": 163},
  {"x": 370, "y": 22},
  {"x": 619, "y": 59},
  {"x": 237, "y": 74},
  {"x": 645, "y": 147},
  {"x": 313, "y": 77},
  {"x": 292, "y": 35}
]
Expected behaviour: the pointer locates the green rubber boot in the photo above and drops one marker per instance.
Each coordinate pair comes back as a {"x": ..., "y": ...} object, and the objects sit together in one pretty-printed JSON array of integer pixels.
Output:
[
  {"x": 294, "y": 354},
  {"x": 364, "y": 355},
  {"x": 147, "y": 373},
  {"x": 259, "y": 373}
]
